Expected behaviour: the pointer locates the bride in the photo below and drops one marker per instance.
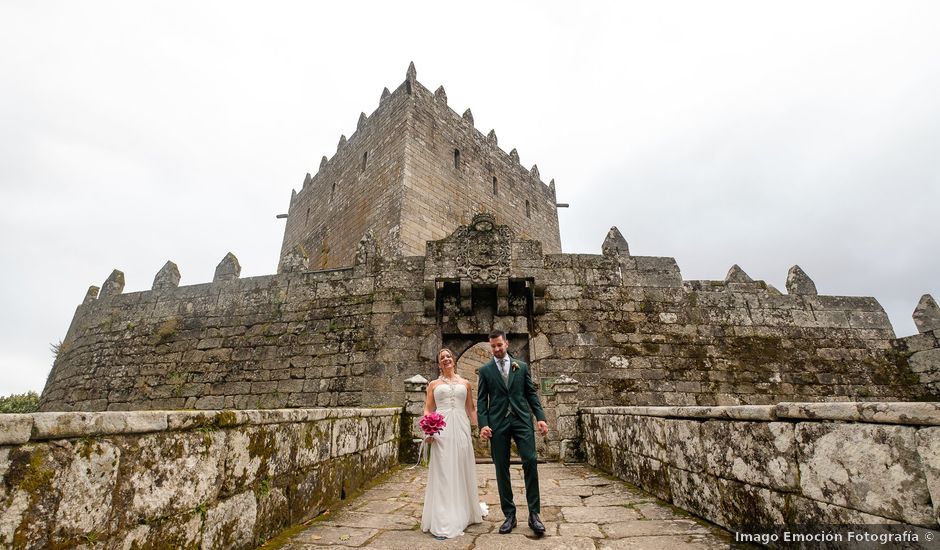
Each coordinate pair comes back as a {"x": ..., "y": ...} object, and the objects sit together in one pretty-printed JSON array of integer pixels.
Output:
[{"x": 451, "y": 501}]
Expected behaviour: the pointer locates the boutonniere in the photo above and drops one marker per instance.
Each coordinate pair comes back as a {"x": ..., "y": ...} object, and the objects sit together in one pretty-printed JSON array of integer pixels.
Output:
[{"x": 514, "y": 366}]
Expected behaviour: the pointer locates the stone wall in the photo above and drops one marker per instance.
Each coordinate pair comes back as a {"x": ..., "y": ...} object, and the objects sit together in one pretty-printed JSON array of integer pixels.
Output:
[
  {"x": 764, "y": 468},
  {"x": 627, "y": 328},
  {"x": 157, "y": 479},
  {"x": 289, "y": 340},
  {"x": 632, "y": 332}
]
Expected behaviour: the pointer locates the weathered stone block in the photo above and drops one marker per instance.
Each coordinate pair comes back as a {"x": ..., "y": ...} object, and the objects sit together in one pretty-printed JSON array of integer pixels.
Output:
[
  {"x": 809, "y": 512},
  {"x": 182, "y": 420},
  {"x": 273, "y": 513},
  {"x": 178, "y": 532},
  {"x": 85, "y": 488},
  {"x": 928, "y": 449},
  {"x": 926, "y": 364},
  {"x": 614, "y": 244},
  {"x": 643, "y": 435},
  {"x": 231, "y": 522},
  {"x": 684, "y": 444},
  {"x": 167, "y": 473},
  {"x": 540, "y": 348},
  {"x": 349, "y": 436},
  {"x": 887, "y": 413},
  {"x": 168, "y": 278},
  {"x": 30, "y": 493},
  {"x": 642, "y": 471},
  {"x": 756, "y": 453},
  {"x": 697, "y": 493},
  {"x": 314, "y": 440},
  {"x": 81, "y": 424},
  {"x": 748, "y": 508},
  {"x": 871, "y": 468},
  {"x": 798, "y": 282},
  {"x": 927, "y": 314},
  {"x": 113, "y": 286},
  {"x": 15, "y": 428},
  {"x": 210, "y": 402},
  {"x": 228, "y": 269}
]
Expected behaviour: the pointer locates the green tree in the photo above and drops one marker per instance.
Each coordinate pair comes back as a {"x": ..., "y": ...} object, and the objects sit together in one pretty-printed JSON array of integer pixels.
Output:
[{"x": 20, "y": 403}]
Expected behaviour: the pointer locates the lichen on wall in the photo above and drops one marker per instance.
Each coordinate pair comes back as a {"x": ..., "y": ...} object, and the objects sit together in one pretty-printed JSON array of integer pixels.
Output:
[
  {"x": 771, "y": 468},
  {"x": 212, "y": 479}
]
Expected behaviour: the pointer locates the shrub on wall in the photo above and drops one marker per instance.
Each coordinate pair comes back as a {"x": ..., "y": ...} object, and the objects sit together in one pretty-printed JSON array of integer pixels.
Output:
[{"x": 20, "y": 403}]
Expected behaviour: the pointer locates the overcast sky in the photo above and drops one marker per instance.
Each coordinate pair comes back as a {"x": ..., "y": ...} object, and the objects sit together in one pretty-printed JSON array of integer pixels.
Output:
[{"x": 713, "y": 132}]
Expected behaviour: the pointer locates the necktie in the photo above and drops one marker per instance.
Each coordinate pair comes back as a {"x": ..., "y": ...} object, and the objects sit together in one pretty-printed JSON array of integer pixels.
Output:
[{"x": 504, "y": 370}]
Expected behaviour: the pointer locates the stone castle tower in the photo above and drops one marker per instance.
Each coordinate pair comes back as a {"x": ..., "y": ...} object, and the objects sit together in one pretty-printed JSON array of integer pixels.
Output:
[{"x": 414, "y": 171}]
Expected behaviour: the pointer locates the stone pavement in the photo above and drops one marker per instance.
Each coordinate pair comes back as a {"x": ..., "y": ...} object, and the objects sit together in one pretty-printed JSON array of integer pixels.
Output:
[{"x": 581, "y": 508}]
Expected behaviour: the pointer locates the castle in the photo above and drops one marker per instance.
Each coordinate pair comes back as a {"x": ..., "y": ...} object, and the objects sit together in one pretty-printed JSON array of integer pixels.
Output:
[
  {"x": 421, "y": 231},
  {"x": 217, "y": 415}
]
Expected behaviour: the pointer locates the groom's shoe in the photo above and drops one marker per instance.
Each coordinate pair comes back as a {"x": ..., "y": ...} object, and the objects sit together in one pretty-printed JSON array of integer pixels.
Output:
[
  {"x": 536, "y": 524},
  {"x": 507, "y": 525}
]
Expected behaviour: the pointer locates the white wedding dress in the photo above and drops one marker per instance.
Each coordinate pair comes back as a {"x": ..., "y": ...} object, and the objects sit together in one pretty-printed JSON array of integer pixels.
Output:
[{"x": 451, "y": 501}]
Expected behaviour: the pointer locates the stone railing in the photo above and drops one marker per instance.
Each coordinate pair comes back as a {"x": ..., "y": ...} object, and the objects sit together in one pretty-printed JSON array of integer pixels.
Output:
[
  {"x": 756, "y": 469},
  {"x": 186, "y": 479}
]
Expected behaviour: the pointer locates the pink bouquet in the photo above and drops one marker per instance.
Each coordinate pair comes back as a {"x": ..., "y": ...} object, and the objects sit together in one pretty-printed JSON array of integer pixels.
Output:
[{"x": 432, "y": 423}]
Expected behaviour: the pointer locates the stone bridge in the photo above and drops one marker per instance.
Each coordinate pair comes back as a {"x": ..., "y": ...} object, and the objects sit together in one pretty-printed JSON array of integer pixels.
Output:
[{"x": 307, "y": 478}]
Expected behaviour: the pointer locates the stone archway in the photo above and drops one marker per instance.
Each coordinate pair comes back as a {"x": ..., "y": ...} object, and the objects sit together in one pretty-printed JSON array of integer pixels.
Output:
[{"x": 468, "y": 364}]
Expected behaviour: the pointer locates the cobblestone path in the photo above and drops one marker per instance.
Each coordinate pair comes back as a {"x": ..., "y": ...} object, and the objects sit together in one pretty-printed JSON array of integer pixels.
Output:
[{"x": 581, "y": 508}]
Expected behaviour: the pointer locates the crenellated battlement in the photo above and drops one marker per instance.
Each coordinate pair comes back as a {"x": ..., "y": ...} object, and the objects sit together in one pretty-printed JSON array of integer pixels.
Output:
[
  {"x": 628, "y": 327},
  {"x": 487, "y": 146},
  {"x": 416, "y": 91}
]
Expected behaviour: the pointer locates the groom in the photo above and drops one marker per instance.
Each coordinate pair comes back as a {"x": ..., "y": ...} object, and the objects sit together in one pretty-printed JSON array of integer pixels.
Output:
[{"x": 505, "y": 397}]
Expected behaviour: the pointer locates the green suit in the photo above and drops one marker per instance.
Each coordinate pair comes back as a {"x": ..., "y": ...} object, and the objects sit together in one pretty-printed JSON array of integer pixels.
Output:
[{"x": 506, "y": 409}]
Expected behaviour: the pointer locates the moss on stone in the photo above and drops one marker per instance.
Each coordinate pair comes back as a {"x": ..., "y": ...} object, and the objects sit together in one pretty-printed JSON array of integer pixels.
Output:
[
  {"x": 226, "y": 419},
  {"x": 167, "y": 329},
  {"x": 264, "y": 487},
  {"x": 86, "y": 446},
  {"x": 757, "y": 350},
  {"x": 261, "y": 445},
  {"x": 37, "y": 474},
  {"x": 651, "y": 347}
]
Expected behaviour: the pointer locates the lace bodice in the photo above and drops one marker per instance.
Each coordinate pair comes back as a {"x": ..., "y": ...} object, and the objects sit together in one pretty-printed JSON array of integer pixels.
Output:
[{"x": 449, "y": 396}]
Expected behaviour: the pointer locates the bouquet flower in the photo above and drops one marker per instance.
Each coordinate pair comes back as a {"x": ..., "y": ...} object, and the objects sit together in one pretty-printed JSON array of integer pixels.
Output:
[{"x": 432, "y": 423}]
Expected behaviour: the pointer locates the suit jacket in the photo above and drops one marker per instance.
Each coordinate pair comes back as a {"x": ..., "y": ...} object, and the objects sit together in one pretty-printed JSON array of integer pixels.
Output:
[{"x": 495, "y": 401}]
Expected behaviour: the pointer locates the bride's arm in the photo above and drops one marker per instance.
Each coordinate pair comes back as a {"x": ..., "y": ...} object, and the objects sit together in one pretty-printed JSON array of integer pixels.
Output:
[
  {"x": 429, "y": 404},
  {"x": 471, "y": 405}
]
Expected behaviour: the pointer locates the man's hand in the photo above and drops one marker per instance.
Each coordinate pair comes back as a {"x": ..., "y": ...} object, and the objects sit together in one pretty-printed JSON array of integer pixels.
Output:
[
  {"x": 486, "y": 432},
  {"x": 542, "y": 427}
]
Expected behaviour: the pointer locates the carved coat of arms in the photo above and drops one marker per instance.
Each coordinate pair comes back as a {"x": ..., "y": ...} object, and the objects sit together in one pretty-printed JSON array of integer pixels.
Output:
[{"x": 483, "y": 250}]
